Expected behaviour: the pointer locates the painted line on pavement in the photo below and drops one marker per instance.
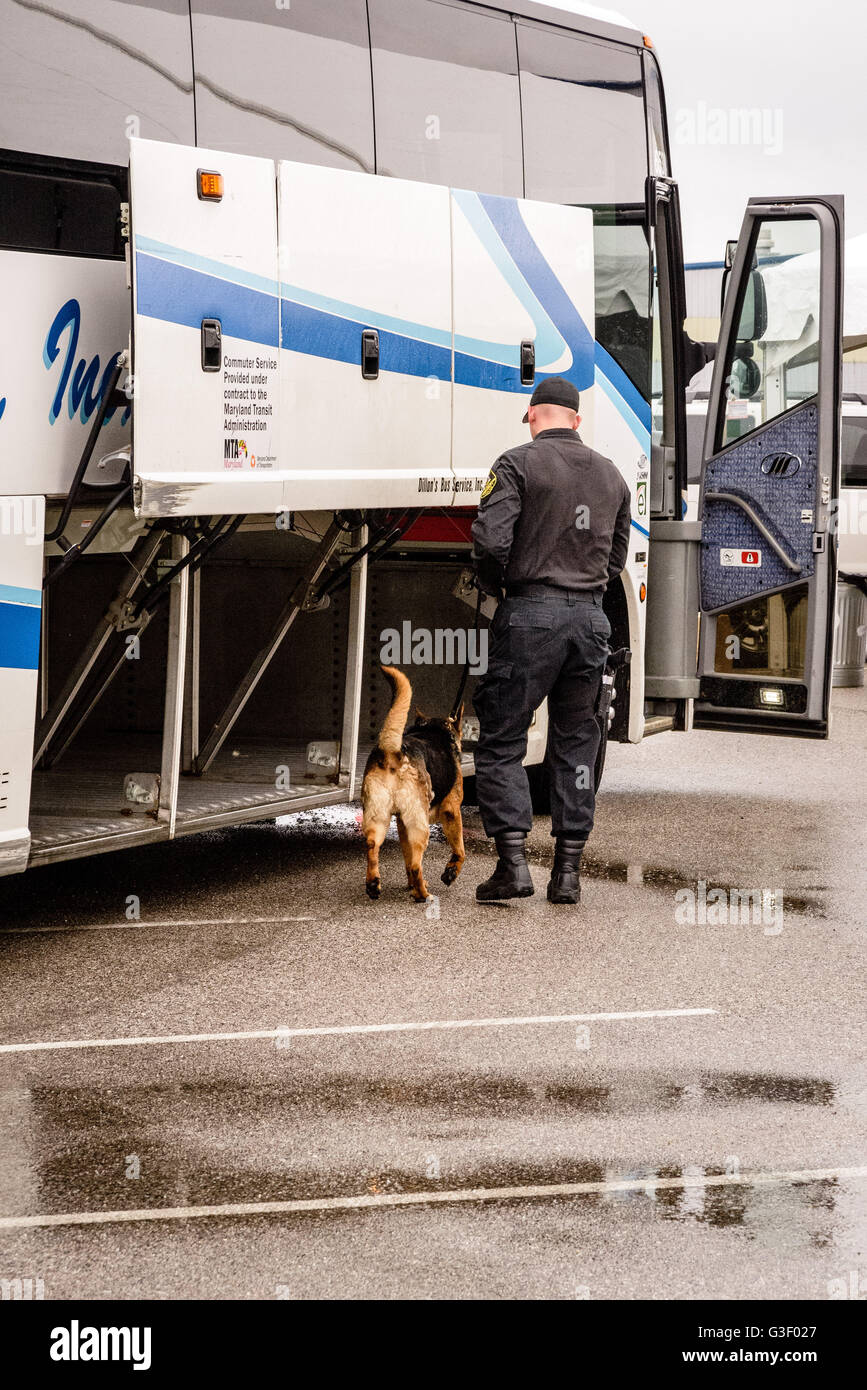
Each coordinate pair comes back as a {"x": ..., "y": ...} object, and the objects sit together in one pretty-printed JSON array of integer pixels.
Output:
[
  {"x": 137, "y": 926},
  {"x": 406, "y": 1199},
  {"x": 333, "y": 1030}
]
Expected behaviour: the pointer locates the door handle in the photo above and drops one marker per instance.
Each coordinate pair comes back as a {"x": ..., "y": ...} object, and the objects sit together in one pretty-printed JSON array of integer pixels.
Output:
[
  {"x": 370, "y": 354},
  {"x": 758, "y": 523},
  {"x": 528, "y": 363},
  {"x": 212, "y": 345}
]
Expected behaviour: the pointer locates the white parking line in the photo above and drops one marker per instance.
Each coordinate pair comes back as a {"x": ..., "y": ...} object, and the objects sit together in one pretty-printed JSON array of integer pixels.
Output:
[
  {"x": 137, "y": 926},
  {"x": 332, "y": 1030},
  {"x": 408, "y": 1199}
]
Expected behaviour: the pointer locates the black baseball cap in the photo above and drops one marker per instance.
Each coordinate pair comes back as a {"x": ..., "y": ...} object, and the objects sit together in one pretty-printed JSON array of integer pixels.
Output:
[{"x": 555, "y": 390}]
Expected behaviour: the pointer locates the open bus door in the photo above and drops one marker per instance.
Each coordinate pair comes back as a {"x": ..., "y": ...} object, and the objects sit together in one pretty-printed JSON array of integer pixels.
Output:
[{"x": 770, "y": 476}]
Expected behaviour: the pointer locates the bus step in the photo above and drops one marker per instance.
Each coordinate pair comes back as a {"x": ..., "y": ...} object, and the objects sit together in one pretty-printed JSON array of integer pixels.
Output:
[{"x": 658, "y": 724}]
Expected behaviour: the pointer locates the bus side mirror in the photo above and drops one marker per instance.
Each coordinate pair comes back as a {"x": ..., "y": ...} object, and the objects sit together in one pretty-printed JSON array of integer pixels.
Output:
[{"x": 746, "y": 375}]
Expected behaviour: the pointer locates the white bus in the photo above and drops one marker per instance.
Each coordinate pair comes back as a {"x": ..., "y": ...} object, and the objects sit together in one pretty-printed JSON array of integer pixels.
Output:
[{"x": 276, "y": 283}]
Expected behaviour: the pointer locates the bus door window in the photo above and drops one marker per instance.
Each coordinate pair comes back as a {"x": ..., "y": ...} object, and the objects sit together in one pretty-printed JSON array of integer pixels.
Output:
[
  {"x": 773, "y": 361},
  {"x": 772, "y": 366}
]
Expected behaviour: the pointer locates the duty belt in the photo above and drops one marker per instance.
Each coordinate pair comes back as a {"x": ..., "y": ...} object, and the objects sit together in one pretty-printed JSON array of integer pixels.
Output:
[{"x": 554, "y": 591}]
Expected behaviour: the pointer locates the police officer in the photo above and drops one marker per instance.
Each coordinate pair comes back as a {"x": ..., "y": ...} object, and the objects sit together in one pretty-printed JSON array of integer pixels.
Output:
[{"x": 552, "y": 530}]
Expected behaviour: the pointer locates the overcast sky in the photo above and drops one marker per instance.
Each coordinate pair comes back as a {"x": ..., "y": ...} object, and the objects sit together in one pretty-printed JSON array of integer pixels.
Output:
[{"x": 801, "y": 67}]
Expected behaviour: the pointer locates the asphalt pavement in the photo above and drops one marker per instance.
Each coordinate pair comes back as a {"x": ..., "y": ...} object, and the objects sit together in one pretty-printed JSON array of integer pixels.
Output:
[{"x": 271, "y": 1087}]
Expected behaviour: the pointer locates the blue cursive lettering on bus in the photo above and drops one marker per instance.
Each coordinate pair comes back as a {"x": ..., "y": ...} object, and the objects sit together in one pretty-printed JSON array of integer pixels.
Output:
[{"x": 84, "y": 394}]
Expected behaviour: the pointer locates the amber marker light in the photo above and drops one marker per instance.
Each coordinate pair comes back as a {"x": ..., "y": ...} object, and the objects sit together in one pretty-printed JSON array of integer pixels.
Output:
[{"x": 209, "y": 185}]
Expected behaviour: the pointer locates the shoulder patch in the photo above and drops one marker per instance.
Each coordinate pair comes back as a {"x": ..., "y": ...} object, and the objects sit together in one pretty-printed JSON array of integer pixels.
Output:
[{"x": 489, "y": 486}]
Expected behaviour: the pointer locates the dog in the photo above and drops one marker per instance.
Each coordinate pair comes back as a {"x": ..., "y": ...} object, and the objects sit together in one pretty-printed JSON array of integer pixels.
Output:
[{"x": 414, "y": 774}]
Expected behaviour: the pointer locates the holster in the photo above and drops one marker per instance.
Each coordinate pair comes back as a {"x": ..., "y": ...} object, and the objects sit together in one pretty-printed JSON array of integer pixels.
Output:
[{"x": 615, "y": 661}]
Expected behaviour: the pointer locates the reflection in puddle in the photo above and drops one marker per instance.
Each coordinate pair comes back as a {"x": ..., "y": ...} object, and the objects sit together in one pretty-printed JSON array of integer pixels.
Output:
[
  {"x": 755, "y": 1210},
  {"x": 202, "y": 1143},
  {"x": 650, "y": 877}
]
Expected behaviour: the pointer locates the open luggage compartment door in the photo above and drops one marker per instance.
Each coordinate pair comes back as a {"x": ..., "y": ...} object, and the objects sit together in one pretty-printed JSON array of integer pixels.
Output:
[
  {"x": 523, "y": 296},
  {"x": 205, "y": 341},
  {"x": 366, "y": 362}
]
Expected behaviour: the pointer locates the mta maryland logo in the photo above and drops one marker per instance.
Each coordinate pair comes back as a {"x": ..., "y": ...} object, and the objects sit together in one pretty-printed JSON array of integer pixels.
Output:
[{"x": 234, "y": 453}]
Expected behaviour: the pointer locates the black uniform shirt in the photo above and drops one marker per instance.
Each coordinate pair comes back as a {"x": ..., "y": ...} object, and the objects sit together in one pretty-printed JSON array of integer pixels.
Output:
[{"x": 553, "y": 512}]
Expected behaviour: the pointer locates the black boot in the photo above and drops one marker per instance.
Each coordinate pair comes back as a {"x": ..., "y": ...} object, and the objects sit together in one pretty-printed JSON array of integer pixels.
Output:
[
  {"x": 511, "y": 878},
  {"x": 565, "y": 885}
]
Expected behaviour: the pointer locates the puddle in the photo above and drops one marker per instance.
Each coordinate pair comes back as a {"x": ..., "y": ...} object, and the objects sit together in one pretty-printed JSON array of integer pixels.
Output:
[
  {"x": 171, "y": 1175},
  {"x": 93, "y": 1148},
  {"x": 654, "y": 877}
]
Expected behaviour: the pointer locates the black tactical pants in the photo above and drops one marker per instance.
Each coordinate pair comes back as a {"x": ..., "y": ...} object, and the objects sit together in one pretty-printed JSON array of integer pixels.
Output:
[{"x": 555, "y": 645}]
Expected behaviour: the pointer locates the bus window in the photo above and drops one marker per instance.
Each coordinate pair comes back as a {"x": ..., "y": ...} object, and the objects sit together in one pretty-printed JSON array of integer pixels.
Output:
[
  {"x": 79, "y": 80},
  {"x": 287, "y": 82},
  {"x": 622, "y": 291},
  {"x": 446, "y": 95},
  {"x": 772, "y": 362},
  {"x": 53, "y": 208},
  {"x": 853, "y": 450},
  {"x": 658, "y": 157},
  {"x": 584, "y": 133},
  {"x": 585, "y": 141}
]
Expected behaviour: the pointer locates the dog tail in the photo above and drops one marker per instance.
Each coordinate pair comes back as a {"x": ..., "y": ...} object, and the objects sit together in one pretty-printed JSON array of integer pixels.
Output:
[{"x": 391, "y": 733}]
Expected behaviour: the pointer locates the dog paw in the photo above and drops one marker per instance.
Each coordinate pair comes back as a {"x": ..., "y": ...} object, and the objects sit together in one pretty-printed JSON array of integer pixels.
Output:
[
  {"x": 449, "y": 874},
  {"x": 373, "y": 888}
]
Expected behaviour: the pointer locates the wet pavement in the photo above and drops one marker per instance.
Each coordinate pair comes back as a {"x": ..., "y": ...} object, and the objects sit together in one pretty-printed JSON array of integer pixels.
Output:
[{"x": 678, "y": 1065}]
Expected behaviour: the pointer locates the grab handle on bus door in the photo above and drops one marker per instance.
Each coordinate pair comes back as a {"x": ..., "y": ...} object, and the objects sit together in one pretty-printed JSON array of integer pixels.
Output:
[
  {"x": 528, "y": 363},
  {"x": 370, "y": 354},
  {"x": 758, "y": 523}
]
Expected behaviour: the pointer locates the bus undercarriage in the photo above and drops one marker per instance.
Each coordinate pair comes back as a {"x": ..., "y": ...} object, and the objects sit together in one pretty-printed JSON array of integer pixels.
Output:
[{"x": 174, "y": 700}]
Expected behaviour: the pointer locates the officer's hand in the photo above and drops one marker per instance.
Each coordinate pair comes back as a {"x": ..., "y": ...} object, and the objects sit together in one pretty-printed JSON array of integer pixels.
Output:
[
  {"x": 488, "y": 576},
  {"x": 490, "y": 589}
]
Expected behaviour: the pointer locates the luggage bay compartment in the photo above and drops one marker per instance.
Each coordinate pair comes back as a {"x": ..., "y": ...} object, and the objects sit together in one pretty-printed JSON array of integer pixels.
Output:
[{"x": 289, "y": 748}]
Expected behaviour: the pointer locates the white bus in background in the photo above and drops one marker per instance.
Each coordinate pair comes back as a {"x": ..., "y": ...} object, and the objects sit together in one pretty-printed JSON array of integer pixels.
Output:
[{"x": 277, "y": 283}]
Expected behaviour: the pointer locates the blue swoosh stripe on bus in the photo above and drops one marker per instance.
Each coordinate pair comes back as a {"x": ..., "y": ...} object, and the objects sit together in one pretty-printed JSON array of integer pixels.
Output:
[
  {"x": 640, "y": 528},
  {"x": 182, "y": 287},
  {"x": 548, "y": 338},
  {"x": 510, "y": 226},
  {"x": 175, "y": 294},
  {"x": 549, "y": 342},
  {"x": 11, "y": 593},
  {"x": 19, "y": 636},
  {"x": 616, "y": 378},
  {"x": 318, "y": 334},
  {"x": 193, "y": 261}
]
